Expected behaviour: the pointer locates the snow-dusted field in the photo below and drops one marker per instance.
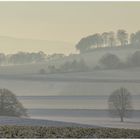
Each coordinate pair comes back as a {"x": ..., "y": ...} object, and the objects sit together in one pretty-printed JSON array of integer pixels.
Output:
[
  {"x": 86, "y": 83},
  {"x": 88, "y": 90},
  {"x": 98, "y": 83}
]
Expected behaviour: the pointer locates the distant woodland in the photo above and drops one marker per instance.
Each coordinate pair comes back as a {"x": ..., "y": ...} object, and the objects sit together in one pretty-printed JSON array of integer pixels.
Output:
[{"x": 108, "y": 39}]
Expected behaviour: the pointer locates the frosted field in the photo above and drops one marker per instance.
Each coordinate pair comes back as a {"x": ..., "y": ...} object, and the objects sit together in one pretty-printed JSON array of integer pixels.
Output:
[
  {"x": 88, "y": 83},
  {"x": 75, "y": 91},
  {"x": 97, "y": 84}
]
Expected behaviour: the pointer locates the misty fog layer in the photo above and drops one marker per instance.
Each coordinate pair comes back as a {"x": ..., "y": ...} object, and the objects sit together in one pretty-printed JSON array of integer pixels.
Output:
[{"x": 68, "y": 58}]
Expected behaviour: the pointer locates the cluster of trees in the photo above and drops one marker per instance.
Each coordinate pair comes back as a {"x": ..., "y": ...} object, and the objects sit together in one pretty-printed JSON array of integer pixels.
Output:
[
  {"x": 9, "y": 104},
  {"x": 22, "y": 58},
  {"x": 111, "y": 61},
  {"x": 74, "y": 66},
  {"x": 107, "y": 61},
  {"x": 27, "y": 58},
  {"x": 108, "y": 39},
  {"x": 68, "y": 66}
]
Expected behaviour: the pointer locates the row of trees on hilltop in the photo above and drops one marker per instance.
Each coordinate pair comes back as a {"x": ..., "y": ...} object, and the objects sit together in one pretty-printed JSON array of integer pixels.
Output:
[{"x": 108, "y": 39}]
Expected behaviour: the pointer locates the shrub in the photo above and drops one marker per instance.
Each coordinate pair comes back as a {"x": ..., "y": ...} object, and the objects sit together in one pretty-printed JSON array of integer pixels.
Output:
[
  {"x": 110, "y": 61},
  {"x": 9, "y": 104}
]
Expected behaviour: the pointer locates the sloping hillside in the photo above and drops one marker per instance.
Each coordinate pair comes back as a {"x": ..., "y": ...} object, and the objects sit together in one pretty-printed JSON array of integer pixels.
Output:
[{"x": 93, "y": 57}]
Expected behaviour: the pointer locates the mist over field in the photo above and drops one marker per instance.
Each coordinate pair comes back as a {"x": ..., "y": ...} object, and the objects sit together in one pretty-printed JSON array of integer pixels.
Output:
[
  {"x": 63, "y": 62},
  {"x": 52, "y": 86}
]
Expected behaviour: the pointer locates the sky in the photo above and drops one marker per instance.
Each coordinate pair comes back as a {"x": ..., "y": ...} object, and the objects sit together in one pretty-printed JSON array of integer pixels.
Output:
[{"x": 66, "y": 21}]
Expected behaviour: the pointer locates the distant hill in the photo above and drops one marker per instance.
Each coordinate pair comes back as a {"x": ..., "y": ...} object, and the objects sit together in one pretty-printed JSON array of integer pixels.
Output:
[
  {"x": 91, "y": 58},
  {"x": 12, "y": 45}
]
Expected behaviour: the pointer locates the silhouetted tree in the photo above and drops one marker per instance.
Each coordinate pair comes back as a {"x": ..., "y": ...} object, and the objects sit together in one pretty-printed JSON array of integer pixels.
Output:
[
  {"x": 132, "y": 39},
  {"x": 105, "y": 39},
  {"x": 98, "y": 40},
  {"x": 122, "y": 36},
  {"x": 120, "y": 103},
  {"x": 9, "y": 104},
  {"x": 89, "y": 42},
  {"x": 85, "y": 43},
  {"x": 135, "y": 38},
  {"x": 111, "y": 39}
]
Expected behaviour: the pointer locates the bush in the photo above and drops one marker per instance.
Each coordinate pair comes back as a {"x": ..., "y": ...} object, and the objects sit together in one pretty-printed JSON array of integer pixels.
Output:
[
  {"x": 110, "y": 61},
  {"x": 9, "y": 105},
  {"x": 134, "y": 60},
  {"x": 74, "y": 66}
]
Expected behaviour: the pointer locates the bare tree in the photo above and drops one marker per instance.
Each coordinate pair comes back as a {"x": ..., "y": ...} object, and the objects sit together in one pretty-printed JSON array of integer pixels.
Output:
[
  {"x": 105, "y": 38},
  {"x": 9, "y": 104},
  {"x": 120, "y": 103}
]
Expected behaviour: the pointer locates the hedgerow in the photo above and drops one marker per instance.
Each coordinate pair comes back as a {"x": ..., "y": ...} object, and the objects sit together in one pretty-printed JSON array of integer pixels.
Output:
[{"x": 66, "y": 132}]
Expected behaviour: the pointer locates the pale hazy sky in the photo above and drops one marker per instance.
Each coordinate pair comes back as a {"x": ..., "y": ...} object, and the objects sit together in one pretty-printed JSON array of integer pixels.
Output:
[{"x": 66, "y": 21}]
